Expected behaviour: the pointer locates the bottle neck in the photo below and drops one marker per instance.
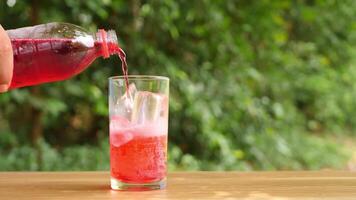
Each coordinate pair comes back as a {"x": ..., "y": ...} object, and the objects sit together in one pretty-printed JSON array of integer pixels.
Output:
[{"x": 108, "y": 41}]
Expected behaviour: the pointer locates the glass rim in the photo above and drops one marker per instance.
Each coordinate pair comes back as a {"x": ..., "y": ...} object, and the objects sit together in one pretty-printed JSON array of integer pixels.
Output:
[{"x": 139, "y": 77}]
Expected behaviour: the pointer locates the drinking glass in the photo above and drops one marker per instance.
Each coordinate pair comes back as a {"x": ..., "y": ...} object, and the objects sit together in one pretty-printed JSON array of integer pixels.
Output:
[{"x": 138, "y": 132}]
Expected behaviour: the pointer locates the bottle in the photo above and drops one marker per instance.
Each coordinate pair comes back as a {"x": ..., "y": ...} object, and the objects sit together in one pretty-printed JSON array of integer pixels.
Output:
[{"x": 56, "y": 51}]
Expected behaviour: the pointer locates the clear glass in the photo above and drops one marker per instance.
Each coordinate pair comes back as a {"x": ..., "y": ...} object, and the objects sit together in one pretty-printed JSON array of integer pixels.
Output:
[{"x": 138, "y": 132}]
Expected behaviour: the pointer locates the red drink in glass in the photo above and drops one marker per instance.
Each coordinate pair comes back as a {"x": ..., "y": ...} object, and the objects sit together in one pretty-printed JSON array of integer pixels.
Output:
[
  {"x": 138, "y": 154},
  {"x": 138, "y": 132}
]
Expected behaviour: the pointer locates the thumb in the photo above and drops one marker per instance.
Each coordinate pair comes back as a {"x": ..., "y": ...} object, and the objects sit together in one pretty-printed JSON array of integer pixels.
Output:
[{"x": 6, "y": 60}]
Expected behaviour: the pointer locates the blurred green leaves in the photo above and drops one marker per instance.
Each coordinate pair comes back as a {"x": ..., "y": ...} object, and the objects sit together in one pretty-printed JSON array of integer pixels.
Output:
[{"x": 254, "y": 84}]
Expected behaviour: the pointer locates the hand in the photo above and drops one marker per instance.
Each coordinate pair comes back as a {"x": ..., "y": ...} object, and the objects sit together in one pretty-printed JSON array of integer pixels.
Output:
[{"x": 6, "y": 61}]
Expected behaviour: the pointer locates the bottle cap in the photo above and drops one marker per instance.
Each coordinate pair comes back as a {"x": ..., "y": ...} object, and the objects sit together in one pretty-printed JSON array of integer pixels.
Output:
[{"x": 104, "y": 43}]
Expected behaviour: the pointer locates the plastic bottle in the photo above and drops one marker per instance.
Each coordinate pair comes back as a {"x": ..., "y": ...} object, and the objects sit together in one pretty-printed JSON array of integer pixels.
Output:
[{"x": 57, "y": 51}]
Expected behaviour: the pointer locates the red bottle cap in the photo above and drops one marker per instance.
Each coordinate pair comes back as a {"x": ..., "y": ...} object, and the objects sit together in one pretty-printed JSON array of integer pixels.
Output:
[{"x": 104, "y": 43}]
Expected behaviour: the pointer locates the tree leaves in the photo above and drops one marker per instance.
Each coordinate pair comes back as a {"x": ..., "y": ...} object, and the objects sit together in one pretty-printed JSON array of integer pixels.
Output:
[{"x": 252, "y": 82}]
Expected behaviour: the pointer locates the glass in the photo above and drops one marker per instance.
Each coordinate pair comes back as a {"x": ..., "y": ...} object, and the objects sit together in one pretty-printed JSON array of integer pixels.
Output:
[{"x": 138, "y": 132}]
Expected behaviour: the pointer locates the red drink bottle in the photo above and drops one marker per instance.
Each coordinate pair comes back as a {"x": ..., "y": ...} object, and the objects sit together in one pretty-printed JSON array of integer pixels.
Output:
[{"x": 57, "y": 51}]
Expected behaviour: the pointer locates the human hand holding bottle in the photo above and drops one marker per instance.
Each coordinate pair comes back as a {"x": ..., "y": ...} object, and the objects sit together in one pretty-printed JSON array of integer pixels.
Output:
[{"x": 6, "y": 61}]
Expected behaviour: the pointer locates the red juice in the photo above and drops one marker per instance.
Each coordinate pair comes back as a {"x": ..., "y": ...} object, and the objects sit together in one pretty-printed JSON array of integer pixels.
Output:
[
  {"x": 138, "y": 153},
  {"x": 139, "y": 161},
  {"x": 38, "y": 61}
]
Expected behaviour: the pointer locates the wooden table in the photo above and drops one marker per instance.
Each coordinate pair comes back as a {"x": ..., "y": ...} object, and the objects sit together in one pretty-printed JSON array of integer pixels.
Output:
[{"x": 183, "y": 185}]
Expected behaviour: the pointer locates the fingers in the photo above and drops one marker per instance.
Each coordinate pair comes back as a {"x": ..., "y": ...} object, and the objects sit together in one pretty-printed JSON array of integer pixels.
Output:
[{"x": 6, "y": 61}]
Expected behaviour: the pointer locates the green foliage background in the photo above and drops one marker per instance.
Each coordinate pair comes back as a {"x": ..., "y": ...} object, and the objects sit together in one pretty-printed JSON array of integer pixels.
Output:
[{"x": 261, "y": 84}]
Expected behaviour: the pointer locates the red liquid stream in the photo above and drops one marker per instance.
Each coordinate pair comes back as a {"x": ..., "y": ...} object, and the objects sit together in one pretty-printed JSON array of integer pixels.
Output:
[
  {"x": 124, "y": 67},
  {"x": 38, "y": 61}
]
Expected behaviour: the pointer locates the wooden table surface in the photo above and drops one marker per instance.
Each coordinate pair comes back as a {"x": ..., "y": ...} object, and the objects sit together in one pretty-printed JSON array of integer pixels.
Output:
[{"x": 183, "y": 185}]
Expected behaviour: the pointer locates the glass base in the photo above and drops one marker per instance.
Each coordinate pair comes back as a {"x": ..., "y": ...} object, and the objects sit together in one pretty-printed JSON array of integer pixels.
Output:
[{"x": 120, "y": 185}]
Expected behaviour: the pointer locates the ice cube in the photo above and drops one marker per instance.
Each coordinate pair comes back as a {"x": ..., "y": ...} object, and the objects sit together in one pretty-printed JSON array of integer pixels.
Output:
[
  {"x": 146, "y": 107},
  {"x": 124, "y": 104},
  {"x": 120, "y": 133},
  {"x": 118, "y": 139}
]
